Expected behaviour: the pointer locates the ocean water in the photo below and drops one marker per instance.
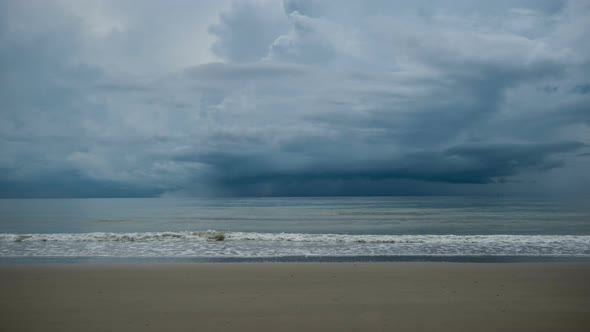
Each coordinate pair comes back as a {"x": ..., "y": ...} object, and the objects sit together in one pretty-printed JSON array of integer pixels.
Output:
[{"x": 294, "y": 229}]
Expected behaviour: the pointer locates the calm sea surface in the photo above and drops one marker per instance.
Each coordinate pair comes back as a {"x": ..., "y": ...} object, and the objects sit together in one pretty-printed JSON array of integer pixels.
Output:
[{"x": 371, "y": 228}]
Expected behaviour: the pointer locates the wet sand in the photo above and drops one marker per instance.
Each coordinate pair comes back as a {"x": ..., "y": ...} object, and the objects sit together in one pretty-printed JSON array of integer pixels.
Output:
[{"x": 296, "y": 297}]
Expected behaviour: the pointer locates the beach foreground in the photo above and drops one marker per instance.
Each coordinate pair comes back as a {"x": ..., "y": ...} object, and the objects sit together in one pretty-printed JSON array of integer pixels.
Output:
[{"x": 295, "y": 297}]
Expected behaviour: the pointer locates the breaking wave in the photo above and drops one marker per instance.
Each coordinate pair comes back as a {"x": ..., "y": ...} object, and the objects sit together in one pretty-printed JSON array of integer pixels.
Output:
[
  {"x": 251, "y": 244},
  {"x": 289, "y": 237}
]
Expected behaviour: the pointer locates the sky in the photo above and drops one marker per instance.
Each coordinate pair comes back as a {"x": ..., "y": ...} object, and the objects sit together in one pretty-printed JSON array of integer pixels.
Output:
[{"x": 146, "y": 98}]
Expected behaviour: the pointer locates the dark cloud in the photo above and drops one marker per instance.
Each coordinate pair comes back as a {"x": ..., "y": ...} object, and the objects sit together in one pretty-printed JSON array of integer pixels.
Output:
[
  {"x": 299, "y": 97},
  {"x": 70, "y": 185},
  {"x": 581, "y": 89},
  {"x": 465, "y": 164}
]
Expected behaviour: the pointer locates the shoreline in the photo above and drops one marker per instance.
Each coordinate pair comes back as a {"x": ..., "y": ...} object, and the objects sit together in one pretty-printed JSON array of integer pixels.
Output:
[
  {"x": 402, "y": 296},
  {"x": 33, "y": 260}
]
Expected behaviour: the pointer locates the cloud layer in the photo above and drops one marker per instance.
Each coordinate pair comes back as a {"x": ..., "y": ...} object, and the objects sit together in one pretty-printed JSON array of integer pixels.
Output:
[{"x": 300, "y": 97}]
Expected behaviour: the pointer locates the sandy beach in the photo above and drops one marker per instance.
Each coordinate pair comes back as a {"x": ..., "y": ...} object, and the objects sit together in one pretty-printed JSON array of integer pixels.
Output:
[{"x": 296, "y": 297}]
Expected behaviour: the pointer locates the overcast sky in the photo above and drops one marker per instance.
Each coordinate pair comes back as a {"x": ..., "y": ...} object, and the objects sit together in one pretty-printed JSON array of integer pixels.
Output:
[{"x": 111, "y": 98}]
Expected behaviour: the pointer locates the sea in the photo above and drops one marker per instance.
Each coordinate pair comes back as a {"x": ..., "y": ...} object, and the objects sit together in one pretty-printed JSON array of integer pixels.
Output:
[{"x": 310, "y": 229}]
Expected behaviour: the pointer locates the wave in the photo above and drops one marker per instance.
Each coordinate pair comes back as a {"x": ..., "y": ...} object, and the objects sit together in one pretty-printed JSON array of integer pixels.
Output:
[
  {"x": 112, "y": 237},
  {"x": 212, "y": 235},
  {"x": 252, "y": 244}
]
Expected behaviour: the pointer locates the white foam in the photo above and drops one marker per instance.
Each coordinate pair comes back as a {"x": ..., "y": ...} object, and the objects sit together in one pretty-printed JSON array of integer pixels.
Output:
[
  {"x": 109, "y": 237},
  {"x": 252, "y": 244}
]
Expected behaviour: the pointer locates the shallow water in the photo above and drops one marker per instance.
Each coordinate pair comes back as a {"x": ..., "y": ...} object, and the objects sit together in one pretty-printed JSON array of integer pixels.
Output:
[{"x": 295, "y": 227}]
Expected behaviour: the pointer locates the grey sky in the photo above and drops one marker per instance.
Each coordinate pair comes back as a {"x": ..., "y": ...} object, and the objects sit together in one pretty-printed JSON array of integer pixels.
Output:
[{"x": 104, "y": 98}]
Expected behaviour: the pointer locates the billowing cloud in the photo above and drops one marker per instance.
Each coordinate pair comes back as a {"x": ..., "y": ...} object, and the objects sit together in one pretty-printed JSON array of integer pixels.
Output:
[
  {"x": 300, "y": 97},
  {"x": 245, "y": 31}
]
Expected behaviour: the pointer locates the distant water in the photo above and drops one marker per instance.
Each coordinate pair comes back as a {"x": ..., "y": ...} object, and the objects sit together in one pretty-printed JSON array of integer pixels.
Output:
[{"x": 374, "y": 228}]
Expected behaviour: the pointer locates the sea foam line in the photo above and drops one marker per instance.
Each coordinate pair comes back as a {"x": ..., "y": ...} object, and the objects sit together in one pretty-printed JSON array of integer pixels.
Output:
[{"x": 212, "y": 235}]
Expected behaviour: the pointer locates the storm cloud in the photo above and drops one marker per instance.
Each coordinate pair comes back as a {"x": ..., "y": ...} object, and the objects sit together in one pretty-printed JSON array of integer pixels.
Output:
[{"x": 295, "y": 97}]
